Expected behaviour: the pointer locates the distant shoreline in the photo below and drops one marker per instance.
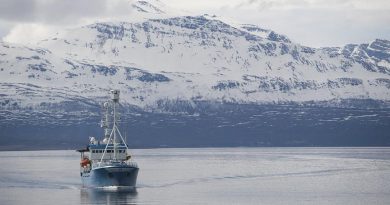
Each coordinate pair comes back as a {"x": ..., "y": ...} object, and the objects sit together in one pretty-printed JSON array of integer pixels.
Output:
[{"x": 204, "y": 147}]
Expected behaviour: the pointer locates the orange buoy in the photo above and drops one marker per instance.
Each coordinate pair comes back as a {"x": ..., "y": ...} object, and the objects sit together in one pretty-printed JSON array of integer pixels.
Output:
[{"x": 85, "y": 162}]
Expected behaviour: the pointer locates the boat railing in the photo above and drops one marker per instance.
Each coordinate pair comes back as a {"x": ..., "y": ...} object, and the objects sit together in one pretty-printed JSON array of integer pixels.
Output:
[
  {"x": 85, "y": 169},
  {"x": 111, "y": 163},
  {"x": 132, "y": 163}
]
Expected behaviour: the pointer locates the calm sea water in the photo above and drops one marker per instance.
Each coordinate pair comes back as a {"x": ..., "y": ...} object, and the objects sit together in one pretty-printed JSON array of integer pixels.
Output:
[{"x": 208, "y": 176}]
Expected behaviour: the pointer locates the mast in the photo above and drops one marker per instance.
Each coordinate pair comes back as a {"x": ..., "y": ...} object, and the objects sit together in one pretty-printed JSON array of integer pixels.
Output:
[
  {"x": 113, "y": 135},
  {"x": 105, "y": 122},
  {"x": 115, "y": 99}
]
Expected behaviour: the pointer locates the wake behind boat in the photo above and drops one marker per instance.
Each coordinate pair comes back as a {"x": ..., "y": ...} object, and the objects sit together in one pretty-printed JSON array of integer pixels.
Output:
[{"x": 107, "y": 164}]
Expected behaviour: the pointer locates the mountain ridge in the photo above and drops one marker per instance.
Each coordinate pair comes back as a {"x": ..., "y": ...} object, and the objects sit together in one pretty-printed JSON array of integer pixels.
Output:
[
  {"x": 198, "y": 48},
  {"x": 231, "y": 84}
]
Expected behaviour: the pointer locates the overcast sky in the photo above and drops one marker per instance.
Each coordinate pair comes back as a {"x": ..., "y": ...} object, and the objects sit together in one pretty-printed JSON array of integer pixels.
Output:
[{"x": 308, "y": 22}]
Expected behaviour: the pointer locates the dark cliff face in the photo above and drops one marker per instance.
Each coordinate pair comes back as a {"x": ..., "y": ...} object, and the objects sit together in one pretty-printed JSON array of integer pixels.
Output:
[{"x": 369, "y": 55}]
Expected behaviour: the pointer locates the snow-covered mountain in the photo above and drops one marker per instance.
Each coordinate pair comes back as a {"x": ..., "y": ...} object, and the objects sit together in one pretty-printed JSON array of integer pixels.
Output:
[
  {"x": 190, "y": 58},
  {"x": 163, "y": 57}
]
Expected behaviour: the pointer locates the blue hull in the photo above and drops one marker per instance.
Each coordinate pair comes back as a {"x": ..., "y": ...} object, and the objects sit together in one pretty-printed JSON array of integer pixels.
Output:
[{"x": 111, "y": 176}]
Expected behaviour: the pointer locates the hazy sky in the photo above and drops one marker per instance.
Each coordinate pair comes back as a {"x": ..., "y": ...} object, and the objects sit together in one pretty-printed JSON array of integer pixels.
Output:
[{"x": 308, "y": 22}]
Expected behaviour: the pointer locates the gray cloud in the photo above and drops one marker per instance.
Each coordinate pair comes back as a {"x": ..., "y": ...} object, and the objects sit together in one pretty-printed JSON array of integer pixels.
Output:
[
  {"x": 246, "y": 3},
  {"x": 313, "y": 4},
  {"x": 310, "y": 22},
  {"x": 17, "y": 10},
  {"x": 58, "y": 11},
  {"x": 319, "y": 27},
  {"x": 4, "y": 28},
  {"x": 269, "y": 4}
]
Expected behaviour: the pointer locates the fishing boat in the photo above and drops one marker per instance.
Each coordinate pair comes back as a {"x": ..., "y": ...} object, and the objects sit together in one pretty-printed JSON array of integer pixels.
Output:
[{"x": 107, "y": 163}]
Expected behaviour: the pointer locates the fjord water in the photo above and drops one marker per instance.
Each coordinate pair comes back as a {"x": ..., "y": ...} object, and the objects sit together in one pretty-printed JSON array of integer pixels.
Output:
[{"x": 208, "y": 176}]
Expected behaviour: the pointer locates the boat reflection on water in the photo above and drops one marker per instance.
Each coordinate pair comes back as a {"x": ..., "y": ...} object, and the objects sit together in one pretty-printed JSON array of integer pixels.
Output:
[{"x": 108, "y": 196}]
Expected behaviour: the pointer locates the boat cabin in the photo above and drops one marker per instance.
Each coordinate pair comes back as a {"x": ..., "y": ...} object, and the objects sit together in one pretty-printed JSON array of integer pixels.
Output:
[{"x": 96, "y": 152}]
